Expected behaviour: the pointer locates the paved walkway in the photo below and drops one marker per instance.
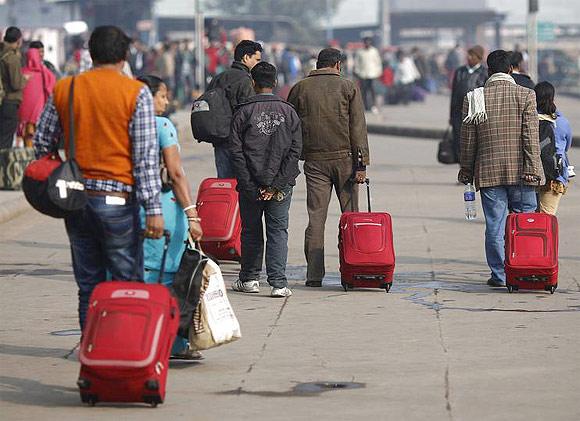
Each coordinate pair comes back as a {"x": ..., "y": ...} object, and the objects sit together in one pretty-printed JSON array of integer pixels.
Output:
[{"x": 440, "y": 346}]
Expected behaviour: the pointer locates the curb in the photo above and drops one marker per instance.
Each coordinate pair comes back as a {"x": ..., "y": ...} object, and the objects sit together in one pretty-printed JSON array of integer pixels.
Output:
[
  {"x": 13, "y": 208},
  {"x": 433, "y": 134}
]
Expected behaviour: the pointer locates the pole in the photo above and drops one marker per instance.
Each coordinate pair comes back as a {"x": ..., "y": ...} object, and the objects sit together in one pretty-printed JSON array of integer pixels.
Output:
[
  {"x": 329, "y": 26},
  {"x": 385, "y": 23},
  {"x": 199, "y": 47},
  {"x": 533, "y": 39}
]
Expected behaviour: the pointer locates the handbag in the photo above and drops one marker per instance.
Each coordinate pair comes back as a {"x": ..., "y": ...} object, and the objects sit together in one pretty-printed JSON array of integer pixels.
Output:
[
  {"x": 53, "y": 187},
  {"x": 445, "y": 152},
  {"x": 187, "y": 282},
  {"x": 214, "y": 321}
]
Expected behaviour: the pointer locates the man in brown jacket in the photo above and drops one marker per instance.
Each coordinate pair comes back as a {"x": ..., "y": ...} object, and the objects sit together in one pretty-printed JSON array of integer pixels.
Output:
[
  {"x": 335, "y": 149},
  {"x": 500, "y": 151},
  {"x": 13, "y": 82}
]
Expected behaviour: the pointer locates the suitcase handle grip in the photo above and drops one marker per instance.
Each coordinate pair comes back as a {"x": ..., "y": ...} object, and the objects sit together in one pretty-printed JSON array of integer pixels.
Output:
[{"x": 368, "y": 183}]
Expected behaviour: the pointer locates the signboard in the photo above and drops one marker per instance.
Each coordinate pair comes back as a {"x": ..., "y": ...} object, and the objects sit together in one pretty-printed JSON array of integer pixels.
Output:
[{"x": 546, "y": 31}]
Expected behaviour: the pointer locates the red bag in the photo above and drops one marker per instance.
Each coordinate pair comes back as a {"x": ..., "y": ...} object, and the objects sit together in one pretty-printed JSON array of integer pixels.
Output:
[
  {"x": 219, "y": 210},
  {"x": 531, "y": 251},
  {"x": 127, "y": 341},
  {"x": 365, "y": 243}
]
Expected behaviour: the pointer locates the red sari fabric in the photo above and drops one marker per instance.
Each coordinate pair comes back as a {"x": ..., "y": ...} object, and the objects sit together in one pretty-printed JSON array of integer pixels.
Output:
[{"x": 37, "y": 90}]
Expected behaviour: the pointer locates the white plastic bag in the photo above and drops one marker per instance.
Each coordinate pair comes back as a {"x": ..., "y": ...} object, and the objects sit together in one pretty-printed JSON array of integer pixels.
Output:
[{"x": 214, "y": 322}]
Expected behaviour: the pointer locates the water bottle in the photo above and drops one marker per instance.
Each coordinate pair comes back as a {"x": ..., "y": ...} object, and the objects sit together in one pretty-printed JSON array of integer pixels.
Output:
[{"x": 469, "y": 199}]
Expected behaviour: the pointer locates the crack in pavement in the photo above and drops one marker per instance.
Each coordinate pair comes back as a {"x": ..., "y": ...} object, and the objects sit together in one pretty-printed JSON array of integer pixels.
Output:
[{"x": 264, "y": 345}]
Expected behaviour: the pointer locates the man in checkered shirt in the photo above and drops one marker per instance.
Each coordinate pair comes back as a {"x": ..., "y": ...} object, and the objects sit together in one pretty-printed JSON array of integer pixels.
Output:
[
  {"x": 117, "y": 151},
  {"x": 500, "y": 152}
]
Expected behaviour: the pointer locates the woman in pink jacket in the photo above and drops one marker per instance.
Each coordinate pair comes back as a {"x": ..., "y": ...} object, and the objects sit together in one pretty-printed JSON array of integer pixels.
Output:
[{"x": 35, "y": 94}]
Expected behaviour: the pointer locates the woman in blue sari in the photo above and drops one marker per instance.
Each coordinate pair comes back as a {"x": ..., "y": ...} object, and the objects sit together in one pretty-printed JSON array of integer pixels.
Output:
[{"x": 179, "y": 211}]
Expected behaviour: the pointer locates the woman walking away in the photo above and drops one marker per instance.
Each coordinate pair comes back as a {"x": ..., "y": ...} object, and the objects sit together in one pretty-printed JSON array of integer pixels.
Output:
[
  {"x": 554, "y": 158},
  {"x": 35, "y": 94},
  {"x": 179, "y": 212}
]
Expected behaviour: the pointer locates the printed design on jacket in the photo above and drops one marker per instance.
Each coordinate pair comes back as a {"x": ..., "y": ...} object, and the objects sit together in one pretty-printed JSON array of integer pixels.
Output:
[{"x": 268, "y": 123}]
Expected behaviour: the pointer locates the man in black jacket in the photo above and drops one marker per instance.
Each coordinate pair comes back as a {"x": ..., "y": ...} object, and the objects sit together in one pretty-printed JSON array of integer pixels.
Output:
[
  {"x": 237, "y": 83},
  {"x": 265, "y": 146},
  {"x": 466, "y": 78},
  {"x": 521, "y": 79}
]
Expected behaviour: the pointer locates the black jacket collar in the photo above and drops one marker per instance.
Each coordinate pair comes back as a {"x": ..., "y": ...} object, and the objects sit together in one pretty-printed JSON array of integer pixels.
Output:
[{"x": 240, "y": 66}]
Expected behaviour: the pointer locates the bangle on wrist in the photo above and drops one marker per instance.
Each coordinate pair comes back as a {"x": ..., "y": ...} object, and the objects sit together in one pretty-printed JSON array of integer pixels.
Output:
[
  {"x": 192, "y": 219},
  {"x": 185, "y": 209}
]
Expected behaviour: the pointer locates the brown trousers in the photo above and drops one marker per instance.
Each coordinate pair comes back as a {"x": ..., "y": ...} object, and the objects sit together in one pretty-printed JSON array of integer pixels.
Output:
[{"x": 321, "y": 177}]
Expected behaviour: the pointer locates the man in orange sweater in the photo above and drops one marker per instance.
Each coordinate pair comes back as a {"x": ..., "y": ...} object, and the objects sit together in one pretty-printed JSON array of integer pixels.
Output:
[{"x": 117, "y": 150}]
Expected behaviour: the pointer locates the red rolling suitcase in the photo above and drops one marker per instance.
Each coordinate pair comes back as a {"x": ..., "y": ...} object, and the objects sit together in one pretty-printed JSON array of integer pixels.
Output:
[
  {"x": 531, "y": 251},
  {"x": 365, "y": 243},
  {"x": 126, "y": 343},
  {"x": 219, "y": 210}
]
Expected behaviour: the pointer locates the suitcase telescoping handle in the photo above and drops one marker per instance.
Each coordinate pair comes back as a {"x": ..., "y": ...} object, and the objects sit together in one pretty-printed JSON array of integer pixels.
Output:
[
  {"x": 368, "y": 183},
  {"x": 167, "y": 237}
]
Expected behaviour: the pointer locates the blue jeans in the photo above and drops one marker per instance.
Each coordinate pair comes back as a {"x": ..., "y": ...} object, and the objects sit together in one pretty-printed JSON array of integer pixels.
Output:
[
  {"x": 104, "y": 239},
  {"x": 276, "y": 215},
  {"x": 496, "y": 203},
  {"x": 223, "y": 162}
]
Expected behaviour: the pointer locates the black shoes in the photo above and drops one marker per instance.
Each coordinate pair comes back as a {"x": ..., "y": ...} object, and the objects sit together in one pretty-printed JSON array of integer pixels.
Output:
[
  {"x": 314, "y": 284},
  {"x": 495, "y": 283}
]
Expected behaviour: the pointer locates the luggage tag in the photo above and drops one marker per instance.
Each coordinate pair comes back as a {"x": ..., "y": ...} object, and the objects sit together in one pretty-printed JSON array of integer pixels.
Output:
[{"x": 115, "y": 200}]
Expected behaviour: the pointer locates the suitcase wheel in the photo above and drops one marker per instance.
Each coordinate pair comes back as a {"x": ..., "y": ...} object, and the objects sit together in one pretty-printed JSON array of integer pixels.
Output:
[
  {"x": 91, "y": 400},
  {"x": 551, "y": 288},
  {"x": 510, "y": 288},
  {"x": 388, "y": 288},
  {"x": 345, "y": 286},
  {"x": 152, "y": 400}
]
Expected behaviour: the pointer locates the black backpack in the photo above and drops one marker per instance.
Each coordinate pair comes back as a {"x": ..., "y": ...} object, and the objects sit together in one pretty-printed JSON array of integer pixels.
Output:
[
  {"x": 551, "y": 161},
  {"x": 211, "y": 117}
]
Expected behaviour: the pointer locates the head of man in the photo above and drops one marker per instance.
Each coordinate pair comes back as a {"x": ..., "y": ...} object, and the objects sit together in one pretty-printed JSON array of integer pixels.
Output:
[
  {"x": 109, "y": 45},
  {"x": 13, "y": 37},
  {"x": 475, "y": 55},
  {"x": 248, "y": 53},
  {"x": 39, "y": 46},
  {"x": 498, "y": 61},
  {"x": 264, "y": 76},
  {"x": 368, "y": 42},
  {"x": 516, "y": 60},
  {"x": 330, "y": 58}
]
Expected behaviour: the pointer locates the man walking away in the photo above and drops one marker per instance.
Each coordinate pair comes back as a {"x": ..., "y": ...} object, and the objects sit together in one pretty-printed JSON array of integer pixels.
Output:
[
  {"x": 118, "y": 153},
  {"x": 237, "y": 83},
  {"x": 521, "y": 78},
  {"x": 500, "y": 151},
  {"x": 265, "y": 147},
  {"x": 335, "y": 149},
  {"x": 466, "y": 78},
  {"x": 11, "y": 86},
  {"x": 368, "y": 66}
]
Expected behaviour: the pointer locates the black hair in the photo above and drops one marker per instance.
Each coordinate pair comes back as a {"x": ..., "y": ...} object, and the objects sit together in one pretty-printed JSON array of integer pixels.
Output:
[
  {"x": 545, "y": 98},
  {"x": 498, "y": 61},
  {"x": 108, "y": 45},
  {"x": 12, "y": 34},
  {"x": 516, "y": 59},
  {"x": 246, "y": 47},
  {"x": 36, "y": 44},
  {"x": 328, "y": 58},
  {"x": 153, "y": 83},
  {"x": 264, "y": 75}
]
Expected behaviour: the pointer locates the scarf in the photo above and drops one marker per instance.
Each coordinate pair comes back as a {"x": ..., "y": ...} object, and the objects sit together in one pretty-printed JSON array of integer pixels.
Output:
[{"x": 476, "y": 113}]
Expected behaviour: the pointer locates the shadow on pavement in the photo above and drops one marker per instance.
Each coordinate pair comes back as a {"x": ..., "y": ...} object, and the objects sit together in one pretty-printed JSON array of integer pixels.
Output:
[
  {"x": 31, "y": 392},
  {"x": 32, "y": 351}
]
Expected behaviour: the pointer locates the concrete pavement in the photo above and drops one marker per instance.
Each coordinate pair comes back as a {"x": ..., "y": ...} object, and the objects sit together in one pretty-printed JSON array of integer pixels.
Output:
[{"x": 440, "y": 346}]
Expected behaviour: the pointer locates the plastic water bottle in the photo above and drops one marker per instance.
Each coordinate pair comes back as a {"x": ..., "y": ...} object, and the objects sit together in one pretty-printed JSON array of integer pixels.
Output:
[{"x": 469, "y": 199}]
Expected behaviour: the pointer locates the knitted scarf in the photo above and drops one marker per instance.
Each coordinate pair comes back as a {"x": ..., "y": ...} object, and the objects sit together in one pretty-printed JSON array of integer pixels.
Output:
[{"x": 476, "y": 113}]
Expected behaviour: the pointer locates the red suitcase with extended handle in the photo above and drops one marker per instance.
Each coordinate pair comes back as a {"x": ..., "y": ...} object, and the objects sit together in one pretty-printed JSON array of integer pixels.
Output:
[
  {"x": 219, "y": 210},
  {"x": 531, "y": 251},
  {"x": 365, "y": 243},
  {"x": 127, "y": 340}
]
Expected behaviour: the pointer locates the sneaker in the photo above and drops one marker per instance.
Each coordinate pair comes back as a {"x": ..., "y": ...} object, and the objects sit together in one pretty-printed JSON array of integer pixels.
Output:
[
  {"x": 247, "y": 287},
  {"x": 495, "y": 283},
  {"x": 281, "y": 292},
  {"x": 187, "y": 356}
]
